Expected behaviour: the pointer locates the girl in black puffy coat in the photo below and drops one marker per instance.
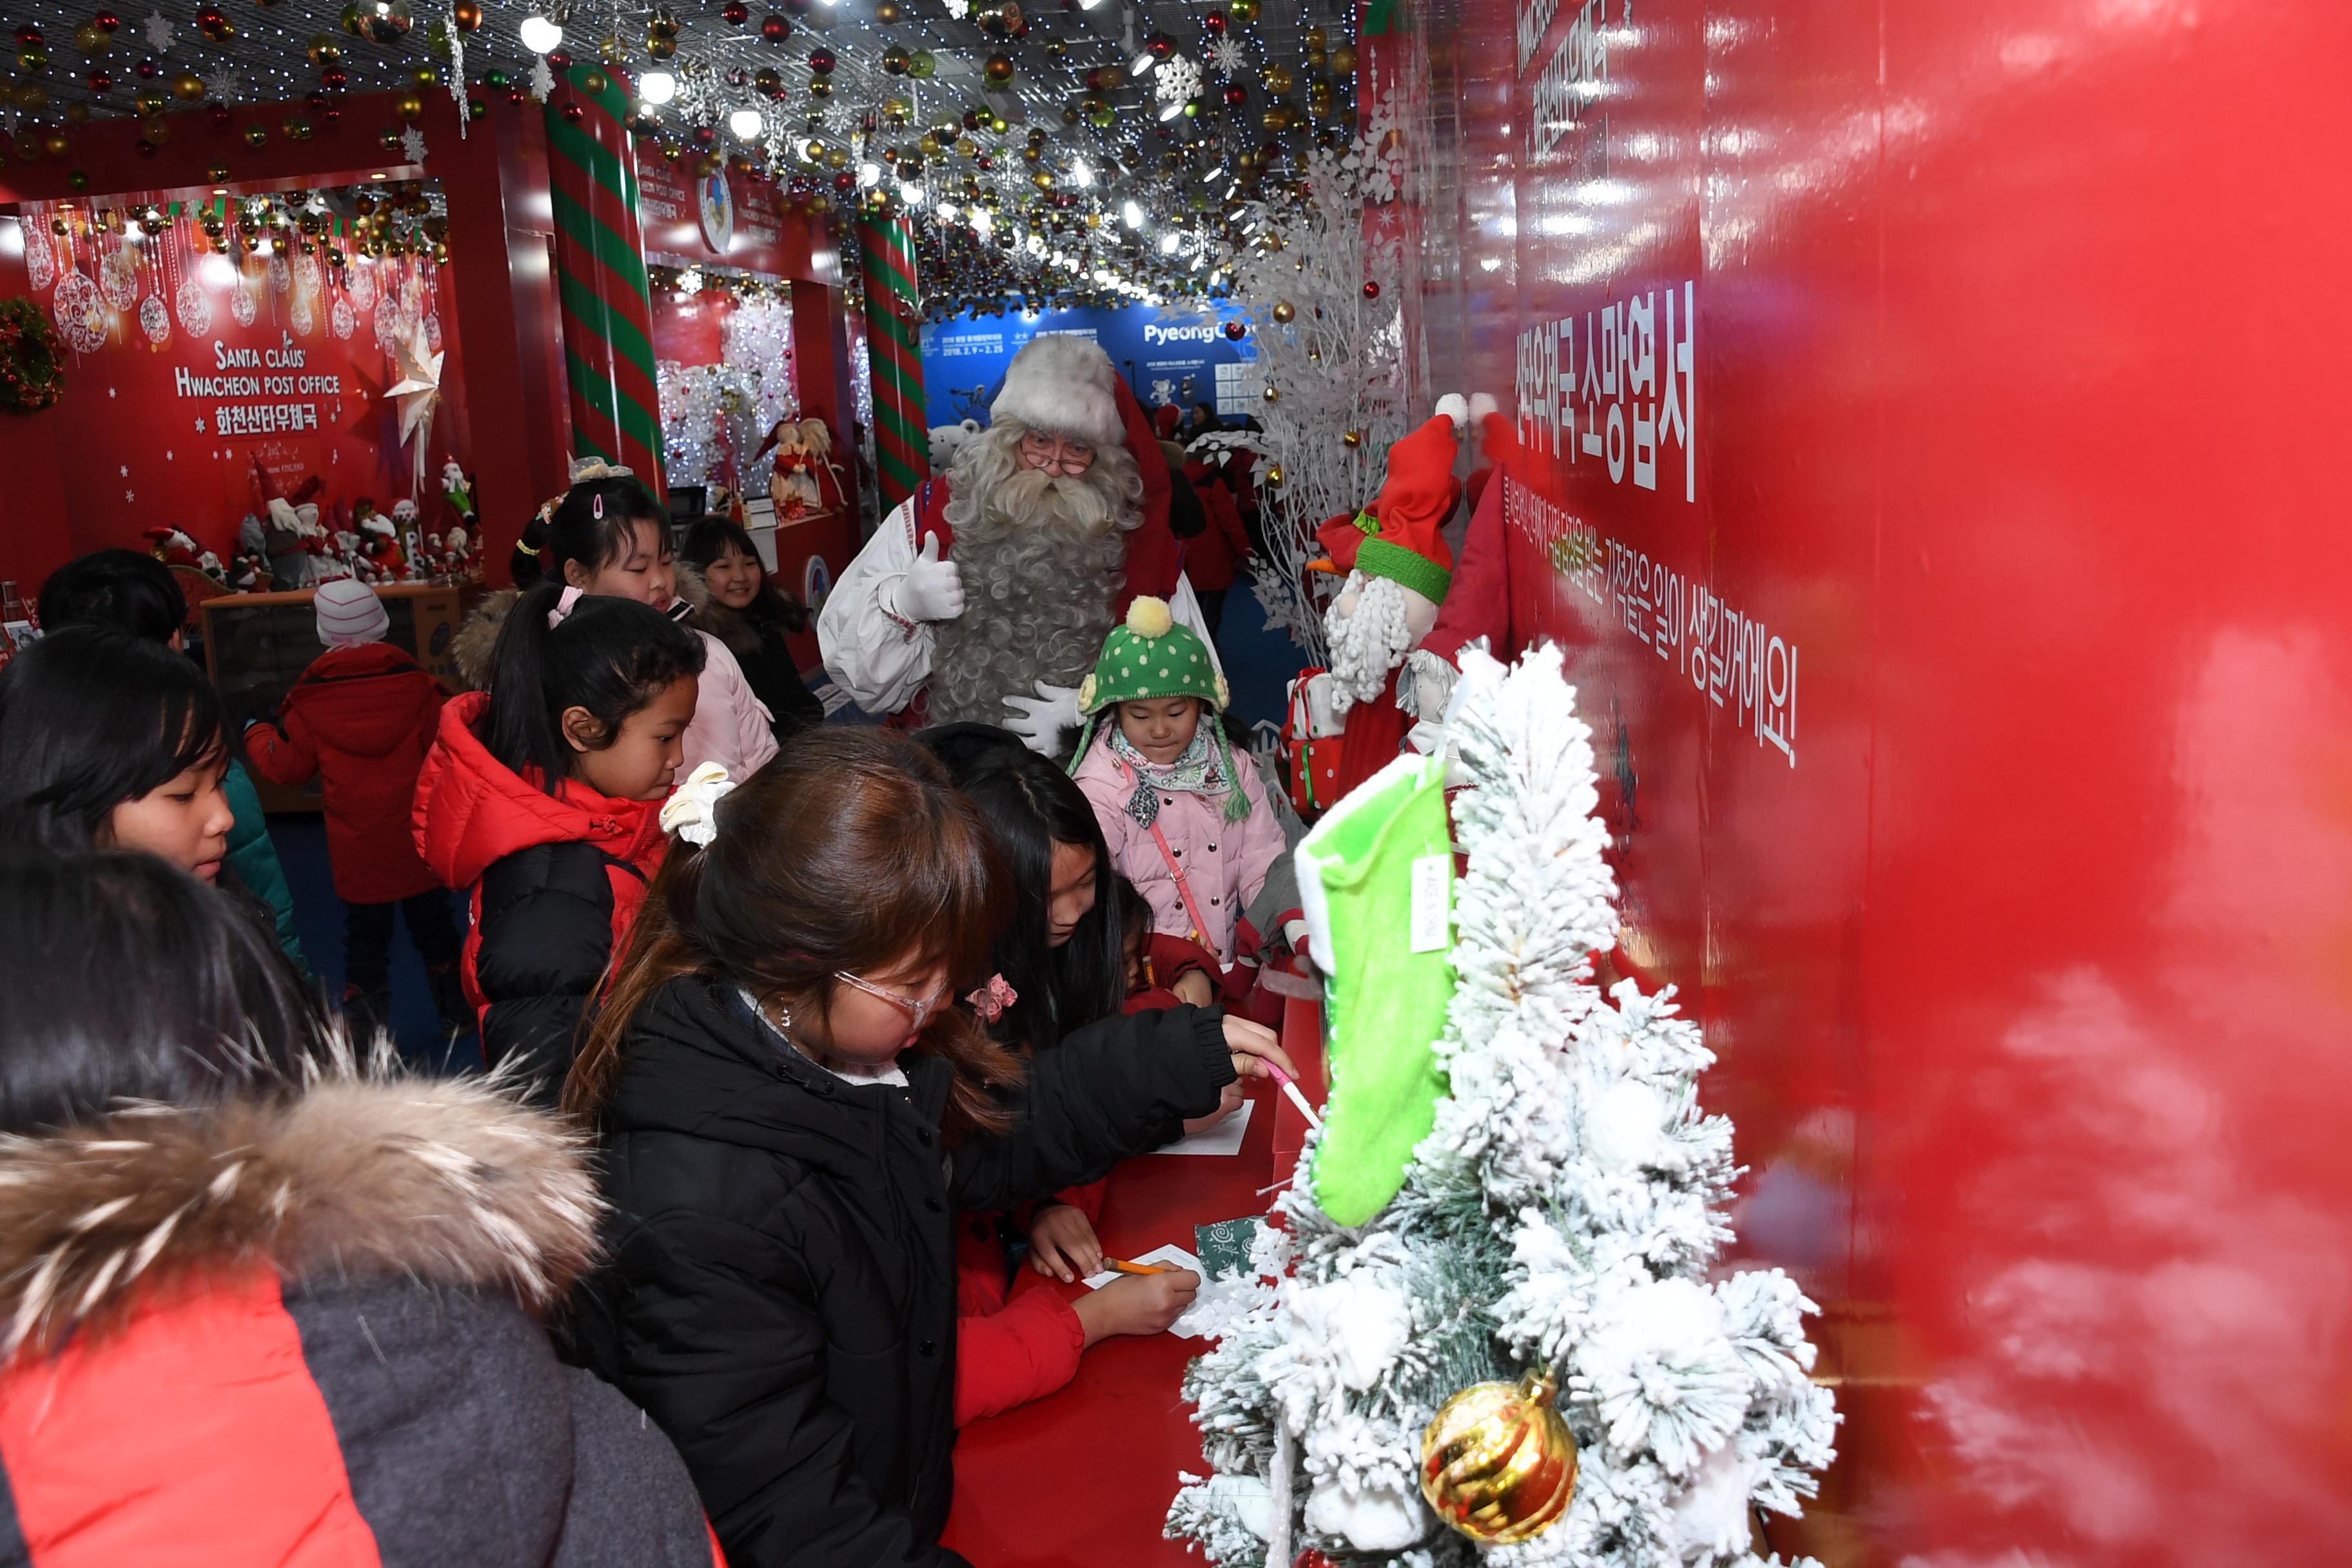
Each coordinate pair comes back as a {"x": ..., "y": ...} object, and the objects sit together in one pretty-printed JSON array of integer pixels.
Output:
[{"x": 792, "y": 1105}]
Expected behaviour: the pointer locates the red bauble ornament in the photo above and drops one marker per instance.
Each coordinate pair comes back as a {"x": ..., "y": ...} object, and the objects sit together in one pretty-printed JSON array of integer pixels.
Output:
[
  {"x": 146, "y": 148},
  {"x": 574, "y": 113},
  {"x": 822, "y": 61},
  {"x": 844, "y": 181},
  {"x": 1235, "y": 331},
  {"x": 334, "y": 78},
  {"x": 106, "y": 21},
  {"x": 735, "y": 13},
  {"x": 219, "y": 115},
  {"x": 1235, "y": 96},
  {"x": 1372, "y": 290},
  {"x": 1214, "y": 22},
  {"x": 99, "y": 81},
  {"x": 559, "y": 60},
  {"x": 148, "y": 68}
]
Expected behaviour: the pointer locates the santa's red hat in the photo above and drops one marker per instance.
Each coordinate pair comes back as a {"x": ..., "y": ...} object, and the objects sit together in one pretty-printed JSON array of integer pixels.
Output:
[{"x": 1396, "y": 537}]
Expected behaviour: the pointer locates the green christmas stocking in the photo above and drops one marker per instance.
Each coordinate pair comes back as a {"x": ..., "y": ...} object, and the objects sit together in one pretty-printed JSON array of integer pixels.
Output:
[{"x": 1375, "y": 878}]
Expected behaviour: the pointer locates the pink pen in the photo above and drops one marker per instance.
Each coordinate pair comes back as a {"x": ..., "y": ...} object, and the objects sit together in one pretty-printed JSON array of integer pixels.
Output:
[{"x": 1291, "y": 1088}]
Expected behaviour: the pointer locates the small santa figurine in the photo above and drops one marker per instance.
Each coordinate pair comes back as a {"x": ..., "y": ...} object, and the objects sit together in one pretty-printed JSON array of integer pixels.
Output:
[
  {"x": 172, "y": 547},
  {"x": 458, "y": 489},
  {"x": 379, "y": 543},
  {"x": 292, "y": 534},
  {"x": 1399, "y": 571}
]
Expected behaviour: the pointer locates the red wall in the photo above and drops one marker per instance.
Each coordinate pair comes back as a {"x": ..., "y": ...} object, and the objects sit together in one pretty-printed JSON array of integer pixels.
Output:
[{"x": 2019, "y": 426}]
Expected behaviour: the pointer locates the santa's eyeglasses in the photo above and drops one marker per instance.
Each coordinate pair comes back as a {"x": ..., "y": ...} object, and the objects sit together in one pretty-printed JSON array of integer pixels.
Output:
[{"x": 1056, "y": 454}]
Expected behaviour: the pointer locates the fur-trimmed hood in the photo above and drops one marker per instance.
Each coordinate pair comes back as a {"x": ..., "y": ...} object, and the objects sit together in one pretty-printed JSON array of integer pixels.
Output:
[
  {"x": 361, "y": 1173},
  {"x": 478, "y": 637}
]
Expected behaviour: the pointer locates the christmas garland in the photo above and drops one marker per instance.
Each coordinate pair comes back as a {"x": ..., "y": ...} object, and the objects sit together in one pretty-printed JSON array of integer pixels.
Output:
[{"x": 32, "y": 358}]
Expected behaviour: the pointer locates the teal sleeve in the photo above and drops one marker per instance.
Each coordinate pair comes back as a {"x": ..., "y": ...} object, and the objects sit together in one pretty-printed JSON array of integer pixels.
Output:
[{"x": 254, "y": 861}]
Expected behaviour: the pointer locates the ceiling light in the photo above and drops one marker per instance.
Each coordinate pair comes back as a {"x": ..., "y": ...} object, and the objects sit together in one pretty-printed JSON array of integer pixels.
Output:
[
  {"x": 869, "y": 175},
  {"x": 1131, "y": 215},
  {"x": 658, "y": 86},
  {"x": 947, "y": 210},
  {"x": 982, "y": 224},
  {"x": 911, "y": 194},
  {"x": 540, "y": 35},
  {"x": 1080, "y": 174},
  {"x": 1143, "y": 63},
  {"x": 1169, "y": 242},
  {"x": 217, "y": 270},
  {"x": 746, "y": 123}
]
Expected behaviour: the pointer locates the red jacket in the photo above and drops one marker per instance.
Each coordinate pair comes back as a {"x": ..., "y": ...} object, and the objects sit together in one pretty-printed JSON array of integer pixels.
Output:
[
  {"x": 1211, "y": 555},
  {"x": 359, "y": 719},
  {"x": 556, "y": 878},
  {"x": 329, "y": 1319},
  {"x": 1019, "y": 1339}
]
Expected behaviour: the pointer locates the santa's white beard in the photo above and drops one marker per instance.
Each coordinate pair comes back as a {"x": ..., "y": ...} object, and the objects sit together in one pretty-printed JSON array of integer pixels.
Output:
[
  {"x": 1367, "y": 643},
  {"x": 1041, "y": 564}
]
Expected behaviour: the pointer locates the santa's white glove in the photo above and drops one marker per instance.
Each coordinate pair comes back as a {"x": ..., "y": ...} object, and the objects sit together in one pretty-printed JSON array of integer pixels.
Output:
[
  {"x": 932, "y": 589},
  {"x": 1322, "y": 711},
  {"x": 1040, "y": 723}
]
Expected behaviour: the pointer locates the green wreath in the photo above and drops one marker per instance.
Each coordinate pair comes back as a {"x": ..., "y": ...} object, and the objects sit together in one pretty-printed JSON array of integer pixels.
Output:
[{"x": 32, "y": 359}]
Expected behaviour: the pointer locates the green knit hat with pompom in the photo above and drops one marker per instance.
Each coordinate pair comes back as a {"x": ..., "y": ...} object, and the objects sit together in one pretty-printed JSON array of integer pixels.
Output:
[{"x": 1153, "y": 655}]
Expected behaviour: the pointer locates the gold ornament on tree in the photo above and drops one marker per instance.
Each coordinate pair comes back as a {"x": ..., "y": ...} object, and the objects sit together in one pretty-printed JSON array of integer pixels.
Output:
[
  {"x": 1496, "y": 1461},
  {"x": 1285, "y": 312}
]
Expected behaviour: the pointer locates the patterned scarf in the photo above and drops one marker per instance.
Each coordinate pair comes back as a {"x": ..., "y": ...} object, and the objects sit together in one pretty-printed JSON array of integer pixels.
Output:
[{"x": 1205, "y": 767}]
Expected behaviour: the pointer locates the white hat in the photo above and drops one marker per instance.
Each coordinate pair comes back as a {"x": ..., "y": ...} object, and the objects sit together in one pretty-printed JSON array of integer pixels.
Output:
[
  {"x": 349, "y": 613},
  {"x": 1063, "y": 385}
]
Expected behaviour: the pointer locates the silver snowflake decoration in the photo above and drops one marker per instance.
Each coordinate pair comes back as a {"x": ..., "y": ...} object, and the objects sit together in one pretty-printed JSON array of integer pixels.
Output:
[
  {"x": 1228, "y": 58},
  {"x": 542, "y": 80},
  {"x": 1178, "y": 78},
  {"x": 223, "y": 87},
  {"x": 412, "y": 144},
  {"x": 159, "y": 32},
  {"x": 959, "y": 9}
]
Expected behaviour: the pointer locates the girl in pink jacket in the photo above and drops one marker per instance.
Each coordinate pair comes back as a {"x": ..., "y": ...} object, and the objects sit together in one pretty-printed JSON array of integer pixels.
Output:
[{"x": 1186, "y": 821}]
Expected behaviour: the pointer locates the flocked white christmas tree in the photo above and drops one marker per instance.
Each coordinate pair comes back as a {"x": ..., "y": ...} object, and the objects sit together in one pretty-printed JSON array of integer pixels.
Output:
[
  {"x": 1333, "y": 356},
  {"x": 1560, "y": 1217}
]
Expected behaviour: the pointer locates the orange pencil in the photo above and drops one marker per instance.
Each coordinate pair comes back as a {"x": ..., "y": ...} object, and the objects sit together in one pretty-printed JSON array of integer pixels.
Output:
[{"x": 1122, "y": 1266}]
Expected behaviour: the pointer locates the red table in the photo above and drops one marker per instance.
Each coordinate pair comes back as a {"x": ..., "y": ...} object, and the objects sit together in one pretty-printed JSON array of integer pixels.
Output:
[{"x": 1084, "y": 1476}]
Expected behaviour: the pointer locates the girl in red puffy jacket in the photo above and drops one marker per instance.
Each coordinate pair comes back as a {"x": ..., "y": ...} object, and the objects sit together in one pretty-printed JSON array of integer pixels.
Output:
[{"x": 543, "y": 796}]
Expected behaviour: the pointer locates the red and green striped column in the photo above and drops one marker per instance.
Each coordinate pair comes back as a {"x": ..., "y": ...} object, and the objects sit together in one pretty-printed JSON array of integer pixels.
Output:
[
  {"x": 600, "y": 275},
  {"x": 894, "y": 314}
]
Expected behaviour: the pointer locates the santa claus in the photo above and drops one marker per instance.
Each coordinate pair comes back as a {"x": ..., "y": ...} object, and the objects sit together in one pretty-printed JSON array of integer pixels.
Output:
[{"x": 987, "y": 596}]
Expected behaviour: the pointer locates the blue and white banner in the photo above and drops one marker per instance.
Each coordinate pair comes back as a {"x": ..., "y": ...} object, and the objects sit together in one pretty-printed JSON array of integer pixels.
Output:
[{"x": 1169, "y": 354}]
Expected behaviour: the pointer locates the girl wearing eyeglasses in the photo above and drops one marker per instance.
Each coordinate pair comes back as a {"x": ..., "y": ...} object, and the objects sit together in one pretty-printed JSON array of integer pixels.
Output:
[{"x": 793, "y": 1101}]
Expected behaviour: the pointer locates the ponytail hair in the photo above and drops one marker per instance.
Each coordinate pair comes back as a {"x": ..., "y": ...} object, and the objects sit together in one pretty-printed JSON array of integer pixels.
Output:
[
  {"x": 611, "y": 656},
  {"x": 528, "y": 564},
  {"x": 596, "y": 523},
  {"x": 850, "y": 852}
]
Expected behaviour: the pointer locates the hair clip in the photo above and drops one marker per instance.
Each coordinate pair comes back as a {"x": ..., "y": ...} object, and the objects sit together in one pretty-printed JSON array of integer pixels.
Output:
[
  {"x": 692, "y": 810},
  {"x": 598, "y": 507},
  {"x": 992, "y": 999}
]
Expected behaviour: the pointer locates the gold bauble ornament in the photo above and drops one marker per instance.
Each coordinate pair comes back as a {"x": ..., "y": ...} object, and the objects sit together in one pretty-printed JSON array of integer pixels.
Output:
[
  {"x": 1343, "y": 60},
  {"x": 1351, "y": 439},
  {"x": 1272, "y": 393},
  {"x": 1285, "y": 312},
  {"x": 1498, "y": 1462},
  {"x": 1243, "y": 11},
  {"x": 1274, "y": 475},
  {"x": 1277, "y": 78},
  {"x": 187, "y": 85},
  {"x": 1316, "y": 37}
]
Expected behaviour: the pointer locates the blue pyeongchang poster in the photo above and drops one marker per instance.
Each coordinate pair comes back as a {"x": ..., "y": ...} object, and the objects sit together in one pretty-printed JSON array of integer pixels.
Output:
[{"x": 1175, "y": 354}]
